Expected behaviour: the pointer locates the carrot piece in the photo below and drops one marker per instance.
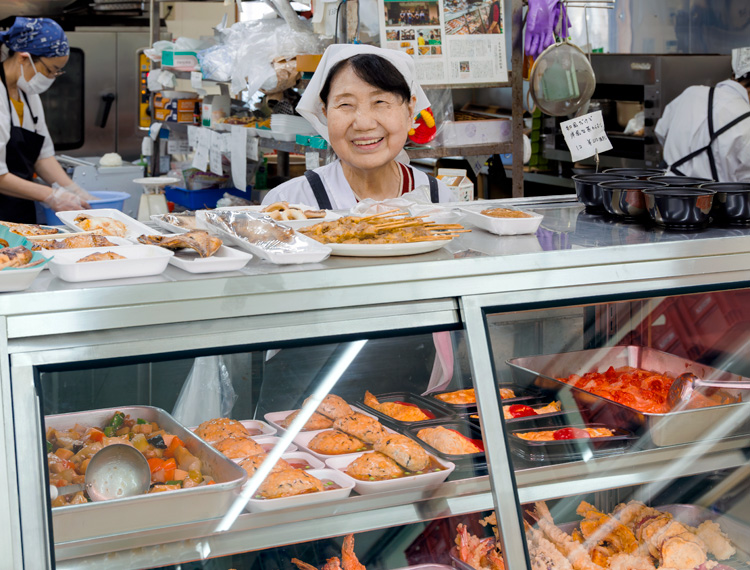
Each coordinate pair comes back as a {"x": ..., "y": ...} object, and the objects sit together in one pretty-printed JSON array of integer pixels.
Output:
[
  {"x": 95, "y": 435},
  {"x": 155, "y": 464},
  {"x": 172, "y": 446},
  {"x": 64, "y": 453}
]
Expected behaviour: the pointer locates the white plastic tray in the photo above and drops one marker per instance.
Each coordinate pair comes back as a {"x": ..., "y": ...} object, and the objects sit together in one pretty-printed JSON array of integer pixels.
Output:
[
  {"x": 134, "y": 227},
  {"x": 19, "y": 279},
  {"x": 118, "y": 241},
  {"x": 225, "y": 259},
  {"x": 502, "y": 226},
  {"x": 421, "y": 481},
  {"x": 141, "y": 260},
  {"x": 265, "y": 505},
  {"x": 274, "y": 418},
  {"x": 159, "y": 221},
  {"x": 257, "y": 425},
  {"x": 270, "y": 441},
  {"x": 314, "y": 462}
]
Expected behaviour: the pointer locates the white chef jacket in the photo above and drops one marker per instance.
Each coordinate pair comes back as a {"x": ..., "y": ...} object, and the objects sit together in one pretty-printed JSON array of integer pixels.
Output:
[
  {"x": 40, "y": 128},
  {"x": 683, "y": 129},
  {"x": 298, "y": 190}
]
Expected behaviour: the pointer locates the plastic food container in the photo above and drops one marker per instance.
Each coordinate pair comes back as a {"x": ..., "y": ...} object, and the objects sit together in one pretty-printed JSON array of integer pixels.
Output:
[
  {"x": 106, "y": 199},
  {"x": 731, "y": 203},
  {"x": 588, "y": 191},
  {"x": 257, "y": 505},
  {"x": 140, "y": 261},
  {"x": 429, "y": 406},
  {"x": 503, "y": 226},
  {"x": 570, "y": 449},
  {"x": 134, "y": 228},
  {"x": 679, "y": 208},
  {"x": 523, "y": 395},
  {"x": 469, "y": 430},
  {"x": 225, "y": 259},
  {"x": 624, "y": 198}
]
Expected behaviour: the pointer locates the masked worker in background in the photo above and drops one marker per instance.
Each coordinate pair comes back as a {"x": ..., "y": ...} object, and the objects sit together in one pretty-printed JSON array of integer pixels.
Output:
[
  {"x": 34, "y": 53},
  {"x": 705, "y": 132}
]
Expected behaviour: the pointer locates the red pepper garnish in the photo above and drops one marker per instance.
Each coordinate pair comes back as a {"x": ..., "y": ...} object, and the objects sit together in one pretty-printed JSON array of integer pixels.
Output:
[
  {"x": 521, "y": 411},
  {"x": 571, "y": 433}
]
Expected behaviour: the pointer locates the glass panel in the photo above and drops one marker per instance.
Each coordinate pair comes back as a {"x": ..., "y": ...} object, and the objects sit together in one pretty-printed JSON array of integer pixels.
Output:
[{"x": 63, "y": 105}]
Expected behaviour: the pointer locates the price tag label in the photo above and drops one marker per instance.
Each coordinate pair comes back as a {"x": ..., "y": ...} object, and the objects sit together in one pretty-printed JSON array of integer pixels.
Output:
[
  {"x": 252, "y": 148},
  {"x": 196, "y": 79},
  {"x": 238, "y": 156},
  {"x": 585, "y": 136},
  {"x": 203, "y": 145},
  {"x": 215, "y": 153},
  {"x": 192, "y": 133}
]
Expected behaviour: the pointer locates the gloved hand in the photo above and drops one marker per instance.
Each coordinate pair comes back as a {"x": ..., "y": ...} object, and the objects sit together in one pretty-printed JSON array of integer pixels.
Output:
[
  {"x": 60, "y": 200},
  {"x": 539, "y": 26},
  {"x": 75, "y": 189}
]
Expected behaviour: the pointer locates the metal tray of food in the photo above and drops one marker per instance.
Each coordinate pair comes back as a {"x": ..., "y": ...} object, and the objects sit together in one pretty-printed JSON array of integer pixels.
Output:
[
  {"x": 469, "y": 430},
  {"x": 522, "y": 394},
  {"x": 432, "y": 408},
  {"x": 86, "y": 521},
  {"x": 673, "y": 428}
]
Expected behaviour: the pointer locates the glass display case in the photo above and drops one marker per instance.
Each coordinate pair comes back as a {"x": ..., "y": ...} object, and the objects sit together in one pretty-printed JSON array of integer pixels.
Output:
[{"x": 480, "y": 346}]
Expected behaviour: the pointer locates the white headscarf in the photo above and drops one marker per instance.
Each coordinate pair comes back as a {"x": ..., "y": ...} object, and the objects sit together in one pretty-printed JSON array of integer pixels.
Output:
[
  {"x": 311, "y": 106},
  {"x": 741, "y": 61}
]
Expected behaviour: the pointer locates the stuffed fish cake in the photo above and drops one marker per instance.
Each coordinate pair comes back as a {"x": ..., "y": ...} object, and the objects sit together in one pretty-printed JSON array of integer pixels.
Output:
[
  {"x": 401, "y": 412},
  {"x": 374, "y": 467},
  {"x": 237, "y": 447},
  {"x": 362, "y": 427},
  {"x": 335, "y": 442},
  {"x": 317, "y": 421},
  {"x": 447, "y": 441},
  {"x": 405, "y": 451},
  {"x": 252, "y": 463},
  {"x": 333, "y": 407},
  {"x": 288, "y": 483},
  {"x": 213, "y": 431}
]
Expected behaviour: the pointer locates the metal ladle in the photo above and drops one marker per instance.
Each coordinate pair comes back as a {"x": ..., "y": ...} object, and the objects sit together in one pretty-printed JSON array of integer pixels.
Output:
[
  {"x": 682, "y": 388},
  {"x": 114, "y": 472}
]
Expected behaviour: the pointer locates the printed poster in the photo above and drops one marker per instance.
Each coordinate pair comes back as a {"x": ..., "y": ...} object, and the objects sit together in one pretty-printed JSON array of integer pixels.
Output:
[{"x": 451, "y": 41}]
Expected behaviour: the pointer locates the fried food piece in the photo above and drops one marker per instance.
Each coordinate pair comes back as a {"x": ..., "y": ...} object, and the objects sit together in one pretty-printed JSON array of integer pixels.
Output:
[
  {"x": 468, "y": 396},
  {"x": 404, "y": 450},
  {"x": 317, "y": 421},
  {"x": 14, "y": 256},
  {"x": 360, "y": 426},
  {"x": 548, "y": 409},
  {"x": 504, "y": 213},
  {"x": 213, "y": 431},
  {"x": 288, "y": 483},
  {"x": 374, "y": 467},
  {"x": 349, "y": 560},
  {"x": 400, "y": 412},
  {"x": 549, "y": 435},
  {"x": 335, "y": 442},
  {"x": 715, "y": 540},
  {"x": 447, "y": 441},
  {"x": 182, "y": 220},
  {"x": 29, "y": 229},
  {"x": 237, "y": 447},
  {"x": 475, "y": 551},
  {"x": 76, "y": 241},
  {"x": 200, "y": 241},
  {"x": 4, "y": 243},
  {"x": 252, "y": 463},
  {"x": 101, "y": 225},
  {"x": 101, "y": 256},
  {"x": 333, "y": 407}
]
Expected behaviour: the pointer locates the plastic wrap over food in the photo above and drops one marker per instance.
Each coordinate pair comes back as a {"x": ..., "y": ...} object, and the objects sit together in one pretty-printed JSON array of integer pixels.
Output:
[{"x": 263, "y": 237}]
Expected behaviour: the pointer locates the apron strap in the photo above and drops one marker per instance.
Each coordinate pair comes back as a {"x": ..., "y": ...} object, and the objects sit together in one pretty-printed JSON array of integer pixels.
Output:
[
  {"x": 319, "y": 190},
  {"x": 28, "y": 108},
  {"x": 10, "y": 106},
  {"x": 434, "y": 191},
  {"x": 711, "y": 134}
]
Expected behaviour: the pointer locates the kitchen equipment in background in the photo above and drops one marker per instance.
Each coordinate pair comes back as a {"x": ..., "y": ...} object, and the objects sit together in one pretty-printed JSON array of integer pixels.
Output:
[
  {"x": 562, "y": 80},
  {"x": 153, "y": 200}
]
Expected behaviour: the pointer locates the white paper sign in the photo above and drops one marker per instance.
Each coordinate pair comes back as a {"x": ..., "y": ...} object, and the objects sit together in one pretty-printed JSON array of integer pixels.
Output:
[
  {"x": 215, "y": 153},
  {"x": 585, "y": 136},
  {"x": 147, "y": 146},
  {"x": 154, "y": 129},
  {"x": 203, "y": 145},
  {"x": 196, "y": 79},
  {"x": 192, "y": 133},
  {"x": 312, "y": 160},
  {"x": 252, "y": 148},
  {"x": 477, "y": 162},
  {"x": 238, "y": 156}
]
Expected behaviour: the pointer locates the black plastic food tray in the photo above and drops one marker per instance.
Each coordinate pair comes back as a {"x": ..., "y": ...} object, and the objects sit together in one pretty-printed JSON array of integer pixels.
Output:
[
  {"x": 551, "y": 419},
  {"x": 571, "y": 449},
  {"x": 465, "y": 428},
  {"x": 523, "y": 394},
  {"x": 439, "y": 411}
]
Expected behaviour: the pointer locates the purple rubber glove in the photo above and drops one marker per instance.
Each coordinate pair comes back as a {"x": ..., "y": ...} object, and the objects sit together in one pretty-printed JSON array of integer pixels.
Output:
[
  {"x": 539, "y": 32},
  {"x": 559, "y": 13}
]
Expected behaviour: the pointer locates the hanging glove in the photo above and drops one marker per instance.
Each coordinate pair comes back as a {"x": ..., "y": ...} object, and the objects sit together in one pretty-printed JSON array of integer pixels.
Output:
[
  {"x": 75, "y": 189},
  {"x": 560, "y": 20},
  {"x": 61, "y": 200},
  {"x": 539, "y": 33}
]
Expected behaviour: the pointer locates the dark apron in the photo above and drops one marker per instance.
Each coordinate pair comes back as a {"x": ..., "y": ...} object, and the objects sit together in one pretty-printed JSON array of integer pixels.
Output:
[
  {"x": 21, "y": 153},
  {"x": 712, "y": 137},
  {"x": 324, "y": 201}
]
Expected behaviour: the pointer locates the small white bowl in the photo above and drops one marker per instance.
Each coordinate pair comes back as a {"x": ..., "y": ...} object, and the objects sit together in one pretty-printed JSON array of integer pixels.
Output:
[{"x": 503, "y": 226}]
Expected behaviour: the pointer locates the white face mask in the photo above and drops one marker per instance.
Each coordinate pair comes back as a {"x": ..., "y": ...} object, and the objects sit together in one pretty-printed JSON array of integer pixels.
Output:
[{"x": 37, "y": 84}]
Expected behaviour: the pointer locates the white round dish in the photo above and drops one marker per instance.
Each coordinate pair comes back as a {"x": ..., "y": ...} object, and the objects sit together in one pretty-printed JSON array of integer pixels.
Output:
[
  {"x": 264, "y": 505},
  {"x": 386, "y": 249},
  {"x": 156, "y": 181},
  {"x": 502, "y": 226}
]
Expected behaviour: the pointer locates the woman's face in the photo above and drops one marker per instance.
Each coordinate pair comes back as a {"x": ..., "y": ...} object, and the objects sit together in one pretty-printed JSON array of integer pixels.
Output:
[
  {"x": 51, "y": 67},
  {"x": 367, "y": 127}
]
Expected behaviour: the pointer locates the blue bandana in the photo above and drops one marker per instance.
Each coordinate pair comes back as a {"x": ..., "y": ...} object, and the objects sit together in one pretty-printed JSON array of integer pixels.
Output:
[{"x": 38, "y": 36}]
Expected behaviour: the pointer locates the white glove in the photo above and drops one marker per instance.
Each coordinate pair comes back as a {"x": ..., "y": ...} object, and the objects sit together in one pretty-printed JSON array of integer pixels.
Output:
[
  {"x": 61, "y": 200},
  {"x": 75, "y": 189}
]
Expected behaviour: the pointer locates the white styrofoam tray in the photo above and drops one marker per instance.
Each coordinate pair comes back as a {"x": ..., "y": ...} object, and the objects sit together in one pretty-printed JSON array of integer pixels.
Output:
[
  {"x": 141, "y": 260},
  {"x": 134, "y": 227},
  {"x": 264, "y": 505},
  {"x": 225, "y": 259},
  {"x": 14, "y": 279},
  {"x": 502, "y": 226}
]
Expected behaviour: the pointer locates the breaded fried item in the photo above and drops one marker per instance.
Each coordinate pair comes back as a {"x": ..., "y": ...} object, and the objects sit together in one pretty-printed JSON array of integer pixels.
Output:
[
  {"x": 237, "y": 447},
  {"x": 288, "y": 483},
  {"x": 374, "y": 467},
  {"x": 333, "y": 407},
  {"x": 335, "y": 442},
  {"x": 317, "y": 421},
  {"x": 199, "y": 240},
  {"x": 101, "y": 256},
  {"x": 362, "y": 427},
  {"x": 252, "y": 463},
  {"x": 213, "y": 431},
  {"x": 447, "y": 441},
  {"x": 405, "y": 451},
  {"x": 72, "y": 242},
  {"x": 29, "y": 229},
  {"x": 17, "y": 256},
  {"x": 468, "y": 396},
  {"x": 101, "y": 225},
  {"x": 395, "y": 410}
]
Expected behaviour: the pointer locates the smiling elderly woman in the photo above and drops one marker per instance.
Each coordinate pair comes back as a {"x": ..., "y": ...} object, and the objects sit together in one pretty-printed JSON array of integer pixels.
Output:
[{"x": 361, "y": 100}]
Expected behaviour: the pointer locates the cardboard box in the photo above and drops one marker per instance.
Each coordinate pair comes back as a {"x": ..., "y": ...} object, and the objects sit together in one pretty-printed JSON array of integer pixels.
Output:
[
  {"x": 215, "y": 108},
  {"x": 308, "y": 62},
  {"x": 173, "y": 116},
  {"x": 460, "y": 184},
  {"x": 460, "y": 133},
  {"x": 175, "y": 104},
  {"x": 182, "y": 60}
]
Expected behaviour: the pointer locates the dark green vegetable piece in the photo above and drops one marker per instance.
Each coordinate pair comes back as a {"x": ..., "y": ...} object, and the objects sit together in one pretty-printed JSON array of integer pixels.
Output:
[
  {"x": 158, "y": 442},
  {"x": 117, "y": 420},
  {"x": 109, "y": 431},
  {"x": 141, "y": 421},
  {"x": 49, "y": 447},
  {"x": 173, "y": 483}
]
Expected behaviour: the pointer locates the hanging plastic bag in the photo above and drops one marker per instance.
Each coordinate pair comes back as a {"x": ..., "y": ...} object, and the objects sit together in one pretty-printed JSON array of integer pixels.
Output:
[{"x": 206, "y": 394}]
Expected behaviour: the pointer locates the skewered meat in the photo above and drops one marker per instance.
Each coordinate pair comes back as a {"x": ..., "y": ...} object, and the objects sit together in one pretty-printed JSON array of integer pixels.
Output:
[
  {"x": 405, "y": 451},
  {"x": 360, "y": 426},
  {"x": 206, "y": 245},
  {"x": 374, "y": 467},
  {"x": 14, "y": 256},
  {"x": 101, "y": 225},
  {"x": 397, "y": 411},
  {"x": 252, "y": 463},
  {"x": 288, "y": 483},
  {"x": 447, "y": 441},
  {"x": 237, "y": 447},
  {"x": 317, "y": 421},
  {"x": 335, "y": 442},
  {"x": 29, "y": 229},
  {"x": 76, "y": 241},
  {"x": 333, "y": 406},
  {"x": 101, "y": 256},
  {"x": 213, "y": 431}
]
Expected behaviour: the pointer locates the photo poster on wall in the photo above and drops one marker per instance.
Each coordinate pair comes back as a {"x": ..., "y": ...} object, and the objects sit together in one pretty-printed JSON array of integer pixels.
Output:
[{"x": 451, "y": 41}]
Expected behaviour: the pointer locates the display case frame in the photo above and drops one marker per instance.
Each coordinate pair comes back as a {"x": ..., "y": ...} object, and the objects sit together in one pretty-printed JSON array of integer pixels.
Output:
[{"x": 342, "y": 299}]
